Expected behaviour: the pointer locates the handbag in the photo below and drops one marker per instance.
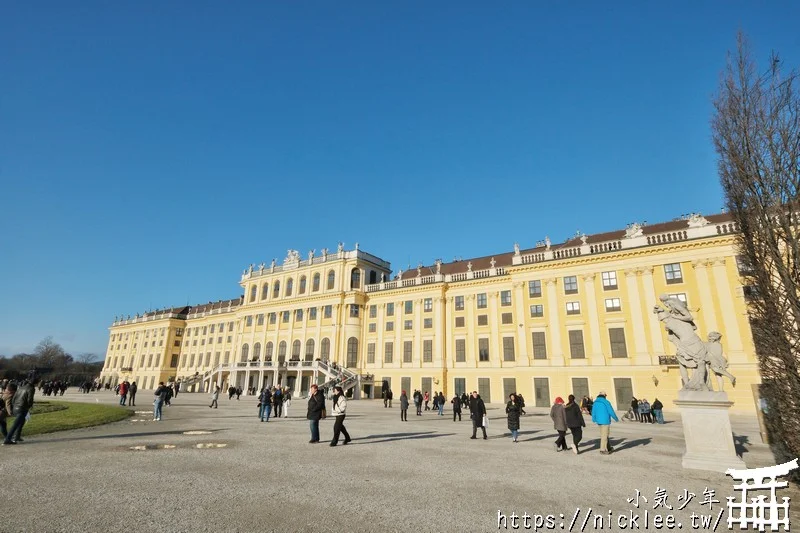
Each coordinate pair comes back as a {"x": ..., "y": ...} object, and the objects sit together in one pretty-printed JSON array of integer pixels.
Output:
[{"x": 485, "y": 422}]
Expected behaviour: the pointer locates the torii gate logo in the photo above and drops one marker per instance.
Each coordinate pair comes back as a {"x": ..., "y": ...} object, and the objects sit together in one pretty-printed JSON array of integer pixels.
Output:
[{"x": 757, "y": 512}]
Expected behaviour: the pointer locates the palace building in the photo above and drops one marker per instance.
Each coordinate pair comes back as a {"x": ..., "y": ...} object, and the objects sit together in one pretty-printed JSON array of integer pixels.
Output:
[{"x": 552, "y": 320}]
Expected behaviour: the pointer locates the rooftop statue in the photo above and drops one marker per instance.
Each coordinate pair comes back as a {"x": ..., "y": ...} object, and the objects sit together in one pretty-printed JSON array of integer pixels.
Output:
[
  {"x": 547, "y": 242},
  {"x": 516, "y": 248},
  {"x": 340, "y": 247}
]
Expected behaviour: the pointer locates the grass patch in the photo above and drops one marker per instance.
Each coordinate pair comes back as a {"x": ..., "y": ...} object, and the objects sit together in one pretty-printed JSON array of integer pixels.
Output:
[{"x": 47, "y": 417}]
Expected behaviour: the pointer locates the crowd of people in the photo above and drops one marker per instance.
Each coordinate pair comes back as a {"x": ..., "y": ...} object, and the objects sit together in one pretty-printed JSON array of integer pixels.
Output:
[{"x": 645, "y": 412}]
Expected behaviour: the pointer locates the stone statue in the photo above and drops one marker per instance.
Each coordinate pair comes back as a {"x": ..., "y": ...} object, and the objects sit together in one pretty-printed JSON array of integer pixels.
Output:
[
  {"x": 689, "y": 348},
  {"x": 516, "y": 248},
  {"x": 311, "y": 256},
  {"x": 469, "y": 266},
  {"x": 400, "y": 274},
  {"x": 492, "y": 262},
  {"x": 438, "y": 266},
  {"x": 356, "y": 246},
  {"x": 261, "y": 267},
  {"x": 547, "y": 242},
  {"x": 272, "y": 266},
  {"x": 584, "y": 239},
  {"x": 634, "y": 230},
  {"x": 419, "y": 269},
  {"x": 340, "y": 247},
  {"x": 383, "y": 277},
  {"x": 324, "y": 254},
  {"x": 696, "y": 220},
  {"x": 292, "y": 256},
  {"x": 250, "y": 269},
  {"x": 717, "y": 361}
]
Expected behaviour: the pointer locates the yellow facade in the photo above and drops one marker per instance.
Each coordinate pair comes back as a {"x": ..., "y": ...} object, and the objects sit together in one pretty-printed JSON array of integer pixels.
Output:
[{"x": 462, "y": 326}]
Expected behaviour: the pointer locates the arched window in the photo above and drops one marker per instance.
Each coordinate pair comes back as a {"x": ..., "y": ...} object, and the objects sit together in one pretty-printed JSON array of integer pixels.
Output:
[
  {"x": 352, "y": 352},
  {"x": 331, "y": 279},
  {"x": 315, "y": 283},
  {"x": 253, "y": 291},
  {"x": 276, "y": 289},
  {"x": 310, "y": 350},
  {"x": 268, "y": 352},
  {"x": 256, "y": 351},
  {"x": 296, "y": 345},
  {"x": 373, "y": 277},
  {"x": 325, "y": 349},
  {"x": 264, "y": 291},
  {"x": 302, "y": 288},
  {"x": 355, "y": 278},
  {"x": 245, "y": 351},
  {"x": 282, "y": 352},
  {"x": 289, "y": 287}
]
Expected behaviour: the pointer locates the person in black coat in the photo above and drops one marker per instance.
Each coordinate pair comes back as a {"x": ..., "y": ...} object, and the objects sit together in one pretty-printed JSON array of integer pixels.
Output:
[
  {"x": 316, "y": 406},
  {"x": 456, "y": 401},
  {"x": 464, "y": 400},
  {"x": 575, "y": 422},
  {"x": 477, "y": 410},
  {"x": 403, "y": 406},
  {"x": 513, "y": 410}
]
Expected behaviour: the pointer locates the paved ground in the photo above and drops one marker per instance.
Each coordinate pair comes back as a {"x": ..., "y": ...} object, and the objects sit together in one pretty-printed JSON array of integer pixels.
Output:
[{"x": 421, "y": 475}]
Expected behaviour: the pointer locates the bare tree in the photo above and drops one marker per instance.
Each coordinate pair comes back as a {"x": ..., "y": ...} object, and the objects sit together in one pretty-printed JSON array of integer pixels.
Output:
[{"x": 756, "y": 130}]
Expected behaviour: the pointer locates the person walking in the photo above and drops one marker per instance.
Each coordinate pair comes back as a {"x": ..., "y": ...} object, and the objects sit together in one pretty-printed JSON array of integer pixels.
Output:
[
  {"x": 315, "y": 412},
  {"x": 160, "y": 396},
  {"x": 389, "y": 396},
  {"x": 339, "y": 410},
  {"x": 277, "y": 402},
  {"x": 264, "y": 404},
  {"x": 513, "y": 410},
  {"x": 6, "y": 406},
  {"x": 403, "y": 406},
  {"x": 132, "y": 394},
  {"x": 635, "y": 409},
  {"x": 123, "y": 393},
  {"x": 602, "y": 415},
  {"x": 287, "y": 401},
  {"x": 441, "y": 404},
  {"x": 575, "y": 422},
  {"x": 418, "y": 402},
  {"x": 456, "y": 401},
  {"x": 21, "y": 404},
  {"x": 477, "y": 411},
  {"x": 427, "y": 398},
  {"x": 214, "y": 398},
  {"x": 559, "y": 423},
  {"x": 658, "y": 411}
]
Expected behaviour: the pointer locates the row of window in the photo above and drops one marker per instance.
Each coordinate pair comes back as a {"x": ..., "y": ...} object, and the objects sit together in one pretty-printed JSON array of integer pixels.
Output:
[
  {"x": 155, "y": 331},
  {"x": 355, "y": 283}
]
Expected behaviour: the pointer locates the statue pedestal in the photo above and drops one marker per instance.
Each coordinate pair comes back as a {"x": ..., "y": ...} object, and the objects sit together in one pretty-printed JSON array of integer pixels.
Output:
[{"x": 707, "y": 431}]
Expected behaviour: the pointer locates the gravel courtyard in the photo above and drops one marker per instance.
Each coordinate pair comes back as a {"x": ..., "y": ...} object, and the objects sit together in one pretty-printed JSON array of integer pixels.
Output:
[{"x": 421, "y": 475}]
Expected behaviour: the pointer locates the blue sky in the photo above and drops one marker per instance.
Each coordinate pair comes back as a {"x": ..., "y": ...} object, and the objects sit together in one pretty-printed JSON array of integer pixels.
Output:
[{"x": 150, "y": 150}]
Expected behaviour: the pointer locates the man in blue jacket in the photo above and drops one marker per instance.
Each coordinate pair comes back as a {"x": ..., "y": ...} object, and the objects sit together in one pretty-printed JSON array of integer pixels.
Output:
[{"x": 602, "y": 414}]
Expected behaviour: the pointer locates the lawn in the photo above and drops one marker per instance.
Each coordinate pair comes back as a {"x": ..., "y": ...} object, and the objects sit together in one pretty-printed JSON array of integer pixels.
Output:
[{"x": 47, "y": 417}]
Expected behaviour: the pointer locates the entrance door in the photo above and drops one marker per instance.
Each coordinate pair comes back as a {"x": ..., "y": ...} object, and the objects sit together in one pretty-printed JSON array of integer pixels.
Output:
[
  {"x": 291, "y": 381},
  {"x": 405, "y": 384},
  {"x": 623, "y": 389},
  {"x": 580, "y": 388},
  {"x": 485, "y": 389},
  {"x": 509, "y": 386},
  {"x": 541, "y": 390},
  {"x": 305, "y": 384},
  {"x": 426, "y": 386},
  {"x": 460, "y": 386}
]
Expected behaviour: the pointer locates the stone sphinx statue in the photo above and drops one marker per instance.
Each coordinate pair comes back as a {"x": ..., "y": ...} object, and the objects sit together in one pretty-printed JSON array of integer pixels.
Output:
[{"x": 690, "y": 350}]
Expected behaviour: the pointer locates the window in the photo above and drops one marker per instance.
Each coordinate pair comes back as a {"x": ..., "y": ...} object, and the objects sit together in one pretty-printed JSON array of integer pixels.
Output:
[
  {"x": 576, "y": 350},
  {"x": 408, "y": 352},
  {"x": 570, "y": 285},
  {"x": 617, "y": 337},
  {"x": 174, "y": 361},
  {"x": 298, "y": 315},
  {"x": 227, "y": 357},
  {"x": 573, "y": 308},
  {"x": 427, "y": 351},
  {"x": 673, "y": 273},
  {"x": 372, "y": 327},
  {"x": 302, "y": 288},
  {"x": 177, "y": 343},
  {"x": 508, "y": 349},
  {"x": 282, "y": 352},
  {"x": 312, "y": 313},
  {"x": 461, "y": 351},
  {"x": 390, "y": 309},
  {"x": 613, "y": 304},
  {"x": 353, "y": 311},
  {"x": 315, "y": 282},
  {"x": 256, "y": 350},
  {"x": 408, "y": 324},
  {"x": 388, "y": 352},
  {"x": 609, "y": 280},
  {"x": 744, "y": 266},
  {"x": 507, "y": 318},
  {"x": 408, "y": 307},
  {"x": 459, "y": 303},
  {"x": 428, "y": 305},
  {"x": 219, "y": 339},
  {"x": 483, "y": 349},
  {"x": 230, "y": 326},
  {"x": 273, "y": 317},
  {"x": 259, "y": 320},
  {"x": 205, "y": 331},
  {"x": 485, "y": 389},
  {"x": 355, "y": 278},
  {"x": 537, "y": 311},
  {"x": 371, "y": 353},
  {"x": 539, "y": 345},
  {"x": 623, "y": 389},
  {"x": 373, "y": 311},
  {"x": 268, "y": 352},
  {"x": 296, "y": 346},
  {"x": 679, "y": 296},
  {"x": 427, "y": 323},
  {"x": 325, "y": 348},
  {"x": 459, "y": 321},
  {"x": 286, "y": 316},
  {"x": 211, "y": 329},
  {"x": 178, "y": 332},
  {"x": 276, "y": 289},
  {"x": 535, "y": 288},
  {"x": 331, "y": 279},
  {"x": 327, "y": 311},
  {"x": 505, "y": 298},
  {"x": 289, "y": 287},
  {"x": 253, "y": 291},
  {"x": 249, "y": 321},
  {"x": 483, "y": 320},
  {"x": 245, "y": 352},
  {"x": 390, "y": 326},
  {"x": 482, "y": 300}
]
